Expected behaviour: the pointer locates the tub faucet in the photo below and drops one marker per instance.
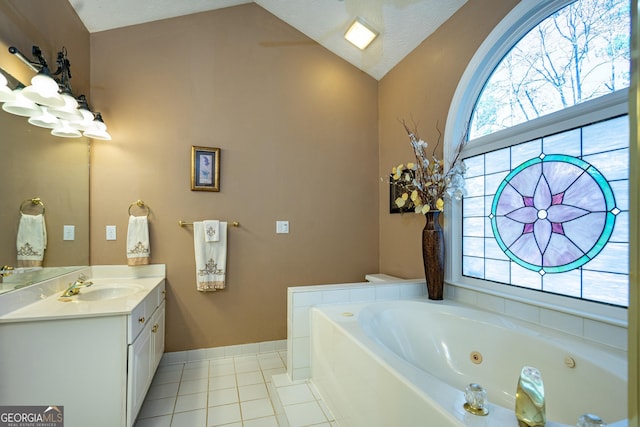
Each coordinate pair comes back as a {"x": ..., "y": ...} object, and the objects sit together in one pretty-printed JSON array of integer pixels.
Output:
[
  {"x": 74, "y": 288},
  {"x": 530, "y": 405},
  {"x": 5, "y": 270}
]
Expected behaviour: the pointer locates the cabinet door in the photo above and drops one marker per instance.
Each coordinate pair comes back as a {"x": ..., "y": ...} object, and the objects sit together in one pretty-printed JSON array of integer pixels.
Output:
[
  {"x": 139, "y": 372},
  {"x": 158, "y": 336}
]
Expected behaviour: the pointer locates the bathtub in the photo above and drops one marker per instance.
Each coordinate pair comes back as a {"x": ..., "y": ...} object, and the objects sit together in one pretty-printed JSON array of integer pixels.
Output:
[{"x": 406, "y": 363}]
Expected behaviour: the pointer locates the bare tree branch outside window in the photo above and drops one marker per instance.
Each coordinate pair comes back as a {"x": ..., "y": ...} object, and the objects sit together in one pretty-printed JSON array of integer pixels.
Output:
[{"x": 579, "y": 53}]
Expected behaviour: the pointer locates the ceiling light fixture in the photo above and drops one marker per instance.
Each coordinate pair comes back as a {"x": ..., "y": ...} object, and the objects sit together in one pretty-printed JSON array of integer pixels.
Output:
[
  {"x": 49, "y": 102},
  {"x": 360, "y": 33}
]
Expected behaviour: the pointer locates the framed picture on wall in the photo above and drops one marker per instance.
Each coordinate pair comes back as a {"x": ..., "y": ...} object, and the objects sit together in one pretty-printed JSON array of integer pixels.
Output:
[
  {"x": 395, "y": 192},
  {"x": 205, "y": 169}
]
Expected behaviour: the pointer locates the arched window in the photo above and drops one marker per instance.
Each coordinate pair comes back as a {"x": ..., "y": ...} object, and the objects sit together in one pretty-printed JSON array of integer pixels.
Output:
[
  {"x": 580, "y": 52},
  {"x": 546, "y": 207}
]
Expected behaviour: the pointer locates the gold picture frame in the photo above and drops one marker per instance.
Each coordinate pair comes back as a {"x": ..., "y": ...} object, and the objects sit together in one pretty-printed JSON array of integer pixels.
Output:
[{"x": 205, "y": 168}]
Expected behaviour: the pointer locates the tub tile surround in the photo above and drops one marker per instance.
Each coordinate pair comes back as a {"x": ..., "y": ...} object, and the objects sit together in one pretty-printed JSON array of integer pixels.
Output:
[
  {"x": 608, "y": 332},
  {"x": 301, "y": 298},
  {"x": 382, "y": 287}
]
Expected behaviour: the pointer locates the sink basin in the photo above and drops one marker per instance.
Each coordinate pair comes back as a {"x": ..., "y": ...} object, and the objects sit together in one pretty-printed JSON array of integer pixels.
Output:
[{"x": 106, "y": 292}]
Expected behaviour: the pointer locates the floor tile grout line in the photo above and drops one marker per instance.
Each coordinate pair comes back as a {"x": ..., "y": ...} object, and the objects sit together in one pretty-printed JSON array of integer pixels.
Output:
[{"x": 209, "y": 379}]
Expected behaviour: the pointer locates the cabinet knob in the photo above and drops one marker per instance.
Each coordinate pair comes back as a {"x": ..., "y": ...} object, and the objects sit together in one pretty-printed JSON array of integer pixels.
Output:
[
  {"x": 141, "y": 320},
  {"x": 164, "y": 292},
  {"x": 155, "y": 328}
]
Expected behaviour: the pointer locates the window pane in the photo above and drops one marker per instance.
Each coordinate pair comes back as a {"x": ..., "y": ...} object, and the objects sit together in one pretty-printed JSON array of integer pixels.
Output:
[{"x": 579, "y": 53}]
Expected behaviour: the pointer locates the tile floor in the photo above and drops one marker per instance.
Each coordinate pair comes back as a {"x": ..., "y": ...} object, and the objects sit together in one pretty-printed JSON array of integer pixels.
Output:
[{"x": 232, "y": 392}]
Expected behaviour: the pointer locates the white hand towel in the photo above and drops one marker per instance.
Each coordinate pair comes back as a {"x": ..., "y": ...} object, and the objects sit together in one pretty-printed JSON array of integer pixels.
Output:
[
  {"x": 138, "y": 248},
  {"x": 211, "y": 230},
  {"x": 211, "y": 258},
  {"x": 31, "y": 240}
]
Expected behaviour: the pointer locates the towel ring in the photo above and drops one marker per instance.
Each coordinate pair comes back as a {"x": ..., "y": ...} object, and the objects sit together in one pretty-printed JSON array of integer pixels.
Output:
[
  {"x": 141, "y": 205},
  {"x": 35, "y": 201}
]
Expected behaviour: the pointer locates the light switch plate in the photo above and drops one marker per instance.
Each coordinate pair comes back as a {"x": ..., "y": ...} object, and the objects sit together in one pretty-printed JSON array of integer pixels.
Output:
[
  {"x": 111, "y": 232},
  {"x": 282, "y": 227},
  {"x": 68, "y": 232}
]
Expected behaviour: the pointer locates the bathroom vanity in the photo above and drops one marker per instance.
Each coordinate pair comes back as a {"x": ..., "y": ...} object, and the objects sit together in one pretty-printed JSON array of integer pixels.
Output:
[{"x": 94, "y": 353}]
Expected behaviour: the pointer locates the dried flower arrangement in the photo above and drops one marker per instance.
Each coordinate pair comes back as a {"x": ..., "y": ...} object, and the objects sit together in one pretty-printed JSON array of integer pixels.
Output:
[{"x": 425, "y": 183}]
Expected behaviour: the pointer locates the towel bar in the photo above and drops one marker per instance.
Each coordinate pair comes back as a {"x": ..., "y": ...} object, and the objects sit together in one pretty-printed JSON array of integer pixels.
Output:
[
  {"x": 34, "y": 201},
  {"x": 140, "y": 204},
  {"x": 182, "y": 223}
]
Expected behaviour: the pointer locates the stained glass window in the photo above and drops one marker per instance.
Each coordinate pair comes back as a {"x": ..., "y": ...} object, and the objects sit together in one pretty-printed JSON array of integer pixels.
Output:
[
  {"x": 547, "y": 203},
  {"x": 551, "y": 214}
]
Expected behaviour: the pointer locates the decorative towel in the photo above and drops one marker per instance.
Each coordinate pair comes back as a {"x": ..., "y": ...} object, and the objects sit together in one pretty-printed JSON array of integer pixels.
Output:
[
  {"x": 138, "y": 248},
  {"x": 211, "y": 230},
  {"x": 31, "y": 241},
  {"x": 211, "y": 258}
]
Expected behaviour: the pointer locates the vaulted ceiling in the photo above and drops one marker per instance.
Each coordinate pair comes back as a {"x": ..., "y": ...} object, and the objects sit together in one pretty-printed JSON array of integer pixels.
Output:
[{"x": 403, "y": 24}]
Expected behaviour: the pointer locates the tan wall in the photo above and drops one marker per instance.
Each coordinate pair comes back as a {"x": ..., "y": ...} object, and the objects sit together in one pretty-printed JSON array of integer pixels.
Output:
[
  {"x": 297, "y": 129},
  {"x": 35, "y": 163},
  {"x": 49, "y": 24},
  {"x": 419, "y": 89}
]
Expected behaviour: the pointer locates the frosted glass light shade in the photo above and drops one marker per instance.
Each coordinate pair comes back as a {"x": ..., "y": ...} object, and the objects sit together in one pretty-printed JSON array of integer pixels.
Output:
[
  {"x": 6, "y": 94},
  {"x": 44, "y": 90},
  {"x": 48, "y": 99},
  {"x": 65, "y": 131},
  {"x": 69, "y": 111},
  {"x": 97, "y": 134},
  {"x": 359, "y": 34},
  {"x": 44, "y": 83},
  {"x": 85, "y": 122},
  {"x": 21, "y": 106},
  {"x": 97, "y": 129},
  {"x": 45, "y": 119}
]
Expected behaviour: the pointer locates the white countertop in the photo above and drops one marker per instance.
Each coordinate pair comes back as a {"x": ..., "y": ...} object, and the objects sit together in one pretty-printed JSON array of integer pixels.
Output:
[{"x": 42, "y": 301}]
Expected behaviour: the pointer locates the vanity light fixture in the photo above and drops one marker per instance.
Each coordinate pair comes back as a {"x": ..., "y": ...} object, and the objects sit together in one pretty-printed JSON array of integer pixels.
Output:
[
  {"x": 49, "y": 101},
  {"x": 360, "y": 33}
]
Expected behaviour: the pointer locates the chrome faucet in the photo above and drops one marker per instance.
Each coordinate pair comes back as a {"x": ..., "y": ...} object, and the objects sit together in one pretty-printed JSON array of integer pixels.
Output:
[
  {"x": 5, "y": 270},
  {"x": 530, "y": 404},
  {"x": 74, "y": 288}
]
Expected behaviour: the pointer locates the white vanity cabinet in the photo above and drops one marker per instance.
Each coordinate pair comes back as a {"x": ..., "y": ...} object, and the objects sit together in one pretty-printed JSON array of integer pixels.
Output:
[
  {"x": 97, "y": 364},
  {"x": 144, "y": 351}
]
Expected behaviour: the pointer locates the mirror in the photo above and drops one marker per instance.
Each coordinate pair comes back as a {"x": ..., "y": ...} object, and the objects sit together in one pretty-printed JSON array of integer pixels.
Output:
[{"x": 34, "y": 163}]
